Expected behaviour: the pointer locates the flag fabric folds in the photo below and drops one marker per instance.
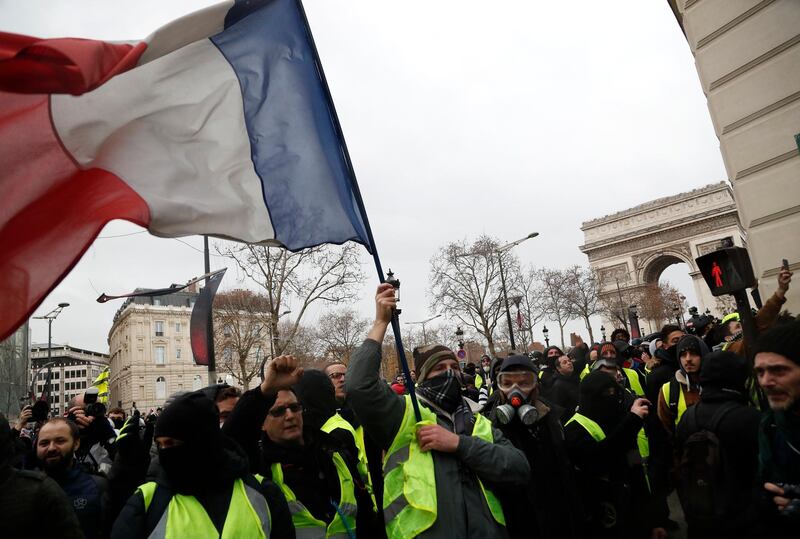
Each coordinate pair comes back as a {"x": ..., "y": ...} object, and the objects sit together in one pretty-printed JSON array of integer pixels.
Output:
[
  {"x": 101, "y": 383},
  {"x": 200, "y": 324},
  {"x": 220, "y": 123}
]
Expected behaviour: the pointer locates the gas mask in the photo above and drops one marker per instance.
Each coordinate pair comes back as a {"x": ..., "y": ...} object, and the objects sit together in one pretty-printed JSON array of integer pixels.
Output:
[{"x": 517, "y": 387}]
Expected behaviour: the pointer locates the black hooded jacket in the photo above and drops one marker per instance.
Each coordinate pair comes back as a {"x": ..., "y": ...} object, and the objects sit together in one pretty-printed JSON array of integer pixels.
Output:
[
  {"x": 608, "y": 472},
  {"x": 722, "y": 381},
  {"x": 544, "y": 507}
]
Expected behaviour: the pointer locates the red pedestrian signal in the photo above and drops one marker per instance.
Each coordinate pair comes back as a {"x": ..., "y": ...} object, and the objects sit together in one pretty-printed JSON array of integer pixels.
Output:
[
  {"x": 727, "y": 270},
  {"x": 716, "y": 273}
]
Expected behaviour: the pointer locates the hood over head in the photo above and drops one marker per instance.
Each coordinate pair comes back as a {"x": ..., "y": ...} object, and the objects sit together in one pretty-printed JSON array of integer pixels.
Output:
[
  {"x": 316, "y": 393},
  {"x": 723, "y": 374},
  {"x": 600, "y": 399}
]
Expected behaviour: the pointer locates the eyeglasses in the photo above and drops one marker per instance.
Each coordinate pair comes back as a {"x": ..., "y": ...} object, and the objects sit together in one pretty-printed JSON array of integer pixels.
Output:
[
  {"x": 280, "y": 411},
  {"x": 336, "y": 375}
]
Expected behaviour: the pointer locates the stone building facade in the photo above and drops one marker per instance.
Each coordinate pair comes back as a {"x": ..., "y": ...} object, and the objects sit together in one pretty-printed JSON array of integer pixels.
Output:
[
  {"x": 747, "y": 54},
  {"x": 150, "y": 351},
  {"x": 72, "y": 372}
]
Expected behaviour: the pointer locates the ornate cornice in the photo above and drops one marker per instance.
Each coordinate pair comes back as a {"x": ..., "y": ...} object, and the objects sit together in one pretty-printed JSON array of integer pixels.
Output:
[
  {"x": 728, "y": 214},
  {"x": 658, "y": 203},
  {"x": 661, "y": 235}
]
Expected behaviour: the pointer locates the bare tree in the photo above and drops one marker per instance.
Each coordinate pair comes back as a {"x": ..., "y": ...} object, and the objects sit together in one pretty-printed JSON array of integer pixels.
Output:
[
  {"x": 582, "y": 294},
  {"x": 292, "y": 282},
  {"x": 530, "y": 305},
  {"x": 555, "y": 299},
  {"x": 340, "y": 332},
  {"x": 614, "y": 304},
  {"x": 659, "y": 301},
  {"x": 465, "y": 284},
  {"x": 241, "y": 333},
  {"x": 305, "y": 345}
]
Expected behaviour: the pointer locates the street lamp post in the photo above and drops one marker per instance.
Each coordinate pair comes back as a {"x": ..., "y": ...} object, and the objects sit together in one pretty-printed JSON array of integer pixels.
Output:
[
  {"x": 676, "y": 312},
  {"x": 633, "y": 315},
  {"x": 460, "y": 337},
  {"x": 499, "y": 252},
  {"x": 603, "y": 333},
  {"x": 422, "y": 323},
  {"x": 545, "y": 332},
  {"x": 52, "y": 315}
]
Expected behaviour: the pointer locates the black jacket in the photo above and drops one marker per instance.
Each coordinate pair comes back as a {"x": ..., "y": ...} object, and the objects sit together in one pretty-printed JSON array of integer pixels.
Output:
[
  {"x": 544, "y": 508},
  {"x": 308, "y": 470},
  {"x": 737, "y": 433},
  {"x": 564, "y": 393}
]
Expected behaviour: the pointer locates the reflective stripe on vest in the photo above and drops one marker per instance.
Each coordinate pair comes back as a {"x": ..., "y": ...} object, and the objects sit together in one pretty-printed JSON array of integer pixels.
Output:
[
  {"x": 248, "y": 515},
  {"x": 409, "y": 493},
  {"x": 633, "y": 382},
  {"x": 306, "y": 526},
  {"x": 585, "y": 371},
  {"x": 594, "y": 430},
  {"x": 667, "y": 391}
]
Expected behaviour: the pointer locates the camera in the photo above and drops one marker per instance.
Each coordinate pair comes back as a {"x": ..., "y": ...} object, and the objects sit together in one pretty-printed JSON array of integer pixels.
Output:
[
  {"x": 91, "y": 407},
  {"x": 40, "y": 411}
]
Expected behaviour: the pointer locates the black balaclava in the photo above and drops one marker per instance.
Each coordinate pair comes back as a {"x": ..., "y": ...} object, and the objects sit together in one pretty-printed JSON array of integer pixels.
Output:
[
  {"x": 606, "y": 410},
  {"x": 196, "y": 465},
  {"x": 316, "y": 393}
]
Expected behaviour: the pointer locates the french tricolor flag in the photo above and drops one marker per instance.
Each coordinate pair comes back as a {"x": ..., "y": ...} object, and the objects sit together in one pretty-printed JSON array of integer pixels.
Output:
[{"x": 219, "y": 123}]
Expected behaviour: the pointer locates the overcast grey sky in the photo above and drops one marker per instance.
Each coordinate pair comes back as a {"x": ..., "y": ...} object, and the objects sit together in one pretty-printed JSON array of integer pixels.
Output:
[{"x": 461, "y": 117}]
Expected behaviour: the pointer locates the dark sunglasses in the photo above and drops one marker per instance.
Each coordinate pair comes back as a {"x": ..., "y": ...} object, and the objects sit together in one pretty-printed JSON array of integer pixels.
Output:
[{"x": 280, "y": 411}]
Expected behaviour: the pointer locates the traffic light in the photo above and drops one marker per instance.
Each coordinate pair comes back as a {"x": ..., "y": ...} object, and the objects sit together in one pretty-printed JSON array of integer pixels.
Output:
[{"x": 727, "y": 270}]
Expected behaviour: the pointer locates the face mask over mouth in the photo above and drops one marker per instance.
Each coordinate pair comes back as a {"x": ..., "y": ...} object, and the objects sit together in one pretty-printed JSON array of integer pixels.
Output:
[{"x": 443, "y": 390}]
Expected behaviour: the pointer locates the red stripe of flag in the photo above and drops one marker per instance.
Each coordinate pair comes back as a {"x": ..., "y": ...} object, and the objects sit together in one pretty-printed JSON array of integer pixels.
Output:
[{"x": 50, "y": 209}]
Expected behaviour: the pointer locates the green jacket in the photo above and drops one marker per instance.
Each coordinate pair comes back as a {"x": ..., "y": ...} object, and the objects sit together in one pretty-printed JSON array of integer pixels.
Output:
[{"x": 381, "y": 412}]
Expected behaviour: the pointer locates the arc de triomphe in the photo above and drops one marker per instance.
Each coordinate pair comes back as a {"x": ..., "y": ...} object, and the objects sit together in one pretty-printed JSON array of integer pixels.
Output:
[{"x": 630, "y": 249}]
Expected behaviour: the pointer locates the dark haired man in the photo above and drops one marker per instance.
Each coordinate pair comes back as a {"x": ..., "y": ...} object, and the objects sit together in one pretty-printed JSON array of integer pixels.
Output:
[{"x": 56, "y": 444}]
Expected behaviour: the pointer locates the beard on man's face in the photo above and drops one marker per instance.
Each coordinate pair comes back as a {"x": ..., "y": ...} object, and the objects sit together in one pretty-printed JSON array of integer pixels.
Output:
[{"x": 55, "y": 462}]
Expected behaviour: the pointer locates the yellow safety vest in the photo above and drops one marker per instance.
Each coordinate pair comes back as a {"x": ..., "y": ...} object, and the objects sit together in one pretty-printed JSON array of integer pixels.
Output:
[
  {"x": 336, "y": 421},
  {"x": 633, "y": 382},
  {"x": 306, "y": 526},
  {"x": 409, "y": 488},
  {"x": 667, "y": 392},
  {"x": 248, "y": 515}
]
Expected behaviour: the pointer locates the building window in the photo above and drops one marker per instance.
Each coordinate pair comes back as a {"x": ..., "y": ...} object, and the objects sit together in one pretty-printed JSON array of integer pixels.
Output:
[
  {"x": 161, "y": 354},
  {"x": 177, "y": 327},
  {"x": 159, "y": 328},
  {"x": 197, "y": 383},
  {"x": 177, "y": 353},
  {"x": 227, "y": 354},
  {"x": 161, "y": 388},
  {"x": 83, "y": 373},
  {"x": 157, "y": 301}
]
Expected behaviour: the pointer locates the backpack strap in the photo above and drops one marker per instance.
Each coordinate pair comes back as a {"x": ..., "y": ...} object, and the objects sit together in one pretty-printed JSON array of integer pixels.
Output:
[
  {"x": 716, "y": 419},
  {"x": 674, "y": 396},
  {"x": 159, "y": 504}
]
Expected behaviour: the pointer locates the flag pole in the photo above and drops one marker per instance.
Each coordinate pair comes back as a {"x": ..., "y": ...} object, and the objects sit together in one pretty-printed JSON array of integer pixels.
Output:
[
  {"x": 360, "y": 203},
  {"x": 212, "y": 365}
]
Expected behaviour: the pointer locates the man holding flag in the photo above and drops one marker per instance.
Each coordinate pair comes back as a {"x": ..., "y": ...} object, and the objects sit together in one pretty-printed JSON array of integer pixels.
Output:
[{"x": 448, "y": 460}]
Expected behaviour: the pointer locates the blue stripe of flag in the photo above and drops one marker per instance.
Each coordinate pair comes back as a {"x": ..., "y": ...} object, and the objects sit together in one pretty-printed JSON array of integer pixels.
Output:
[{"x": 307, "y": 184}]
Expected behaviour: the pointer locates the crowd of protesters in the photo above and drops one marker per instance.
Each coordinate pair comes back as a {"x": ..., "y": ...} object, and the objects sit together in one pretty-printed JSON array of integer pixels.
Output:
[{"x": 586, "y": 442}]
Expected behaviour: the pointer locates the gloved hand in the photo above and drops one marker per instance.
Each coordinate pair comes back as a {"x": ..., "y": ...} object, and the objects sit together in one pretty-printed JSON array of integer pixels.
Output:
[{"x": 128, "y": 444}]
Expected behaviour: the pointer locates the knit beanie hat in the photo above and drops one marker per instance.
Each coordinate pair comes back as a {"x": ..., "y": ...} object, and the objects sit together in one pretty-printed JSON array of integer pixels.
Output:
[
  {"x": 607, "y": 347},
  {"x": 192, "y": 418},
  {"x": 425, "y": 357},
  {"x": 783, "y": 340}
]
